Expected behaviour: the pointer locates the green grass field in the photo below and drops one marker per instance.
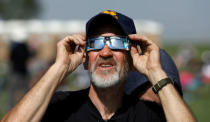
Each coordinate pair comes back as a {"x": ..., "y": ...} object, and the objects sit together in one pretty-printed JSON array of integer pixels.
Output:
[
  {"x": 198, "y": 100},
  {"x": 200, "y": 103}
]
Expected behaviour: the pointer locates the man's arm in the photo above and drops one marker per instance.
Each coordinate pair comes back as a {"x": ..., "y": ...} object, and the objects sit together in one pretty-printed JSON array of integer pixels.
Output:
[
  {"x": 174, "y": 107},
  {"x": 34, "y": 103},
  {"x": 149, "y": 64}
]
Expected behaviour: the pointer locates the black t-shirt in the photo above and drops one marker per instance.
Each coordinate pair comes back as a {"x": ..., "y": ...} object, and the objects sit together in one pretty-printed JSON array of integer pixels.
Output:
[{"x": 77, "y": 107}]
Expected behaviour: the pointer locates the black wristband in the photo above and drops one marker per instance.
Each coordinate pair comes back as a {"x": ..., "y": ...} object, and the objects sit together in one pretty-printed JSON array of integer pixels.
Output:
[{"x": 160, "y": 84}]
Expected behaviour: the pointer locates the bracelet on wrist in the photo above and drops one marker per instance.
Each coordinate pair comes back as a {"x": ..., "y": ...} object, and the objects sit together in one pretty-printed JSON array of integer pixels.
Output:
[{"x": 160, "y": 84}]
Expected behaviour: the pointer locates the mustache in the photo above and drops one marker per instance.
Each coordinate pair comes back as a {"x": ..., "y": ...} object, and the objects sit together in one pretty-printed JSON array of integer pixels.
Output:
[
  {"x": 109, "y": 59},
  {"x": 101, "y": 60}
]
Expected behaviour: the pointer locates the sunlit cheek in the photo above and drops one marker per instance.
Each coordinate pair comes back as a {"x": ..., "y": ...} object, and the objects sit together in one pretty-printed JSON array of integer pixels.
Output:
[
  {"x": 92, "y": 60},
  {"x": 121, "y": 62}
]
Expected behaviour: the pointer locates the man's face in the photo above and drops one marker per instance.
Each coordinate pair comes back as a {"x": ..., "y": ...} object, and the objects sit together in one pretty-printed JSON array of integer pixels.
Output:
[{"x": 107, "y": 67}]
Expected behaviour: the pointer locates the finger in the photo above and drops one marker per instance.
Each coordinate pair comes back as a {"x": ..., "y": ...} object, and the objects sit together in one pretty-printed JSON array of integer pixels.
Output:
[
  {"x": 76, "y": 39},
  {"x": 133, "y": 51},
  {"x": 64, "y": 43},
  {"x": 70, "y": 43},
  {"x": 83, "y": 35},
  {"x": 140, "y": 38},
  {"x": 139, "y": 49},
  {"x": 80, "y": 38},
  {"x": 81, "y": 49},
  {"x": 145, "y": 43},
  {"x": 137, "y": 37}
]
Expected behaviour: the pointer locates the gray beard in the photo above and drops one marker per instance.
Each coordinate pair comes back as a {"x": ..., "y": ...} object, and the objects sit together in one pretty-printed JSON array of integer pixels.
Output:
[{"x": 109, "y": 79}]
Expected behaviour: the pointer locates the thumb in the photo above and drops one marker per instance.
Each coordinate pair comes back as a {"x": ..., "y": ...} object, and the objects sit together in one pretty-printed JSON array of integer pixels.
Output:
[{"x": 133, "y": 51}]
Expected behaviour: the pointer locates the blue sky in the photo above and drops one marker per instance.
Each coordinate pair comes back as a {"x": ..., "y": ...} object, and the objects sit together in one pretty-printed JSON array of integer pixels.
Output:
[{"x": 181, "y": 19}]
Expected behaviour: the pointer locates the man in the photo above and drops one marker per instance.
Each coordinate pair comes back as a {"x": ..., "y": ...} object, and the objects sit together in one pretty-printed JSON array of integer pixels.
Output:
[{"x": 111, "y": 52}]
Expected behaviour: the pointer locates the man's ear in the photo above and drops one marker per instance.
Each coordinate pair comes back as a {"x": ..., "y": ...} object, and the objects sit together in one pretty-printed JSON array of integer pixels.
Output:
[{"x": 85, "y": 61}]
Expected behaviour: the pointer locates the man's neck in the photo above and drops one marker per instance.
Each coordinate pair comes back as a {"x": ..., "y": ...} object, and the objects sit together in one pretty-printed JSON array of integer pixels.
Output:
[{"x": 107, "y": 100}]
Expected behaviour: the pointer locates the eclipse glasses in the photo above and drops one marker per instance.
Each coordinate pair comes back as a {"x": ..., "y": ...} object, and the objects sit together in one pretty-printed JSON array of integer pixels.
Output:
[{"x": 113, "y": 42}]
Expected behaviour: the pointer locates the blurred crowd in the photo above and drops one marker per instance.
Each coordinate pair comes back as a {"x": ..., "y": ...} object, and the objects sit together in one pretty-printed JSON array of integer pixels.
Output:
[
  {"x": 22, "y": 63},
  {"x": 194, "y": 68}
]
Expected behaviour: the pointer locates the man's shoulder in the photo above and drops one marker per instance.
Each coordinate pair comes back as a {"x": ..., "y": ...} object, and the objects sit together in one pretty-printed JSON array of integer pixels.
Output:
[
  {"x": 64, "y": 96},
  {"x": 154, "y": 111},
  {"x": 142, "y": 110},
  {"x": 64, "y": 103},
  {"x": 142, "y": 104}
]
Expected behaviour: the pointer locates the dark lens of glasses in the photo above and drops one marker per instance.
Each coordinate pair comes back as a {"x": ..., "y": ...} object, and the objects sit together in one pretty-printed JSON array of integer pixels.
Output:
[{"x": 113, "y": 42}]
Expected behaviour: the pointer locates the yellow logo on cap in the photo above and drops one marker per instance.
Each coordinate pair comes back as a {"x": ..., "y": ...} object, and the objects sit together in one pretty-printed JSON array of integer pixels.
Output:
[{"x": 113, "y": 13}]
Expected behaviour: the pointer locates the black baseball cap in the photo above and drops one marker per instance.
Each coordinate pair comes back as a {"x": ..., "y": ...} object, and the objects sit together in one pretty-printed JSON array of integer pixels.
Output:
[
  {"x": 136, "y": 80},
  {"x": 125, "y": 22}
]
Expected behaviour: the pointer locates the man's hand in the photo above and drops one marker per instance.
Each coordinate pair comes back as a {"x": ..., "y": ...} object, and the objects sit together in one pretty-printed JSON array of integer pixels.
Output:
[
  {"x": 71, "y": 52},
  {"x": 148, "y": 62},
  {"x": 33, "y": 105}
]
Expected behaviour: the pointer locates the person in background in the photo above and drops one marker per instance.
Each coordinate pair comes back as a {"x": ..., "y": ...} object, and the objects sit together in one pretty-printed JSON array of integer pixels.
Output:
[{"x": 18, "y": 83}]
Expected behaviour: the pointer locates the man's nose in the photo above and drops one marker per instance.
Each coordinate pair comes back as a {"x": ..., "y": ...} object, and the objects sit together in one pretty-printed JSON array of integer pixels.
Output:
[{"x": 106, "y": 51}]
